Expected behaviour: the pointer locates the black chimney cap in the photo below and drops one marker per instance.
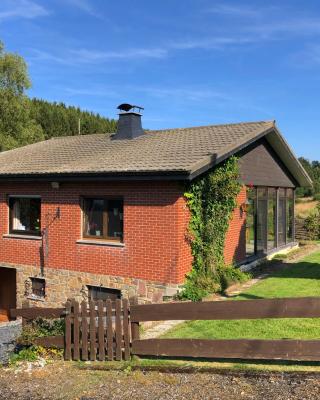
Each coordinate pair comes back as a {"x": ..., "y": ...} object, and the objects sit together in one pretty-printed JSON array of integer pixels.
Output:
[{"x": 127, "y": 107}]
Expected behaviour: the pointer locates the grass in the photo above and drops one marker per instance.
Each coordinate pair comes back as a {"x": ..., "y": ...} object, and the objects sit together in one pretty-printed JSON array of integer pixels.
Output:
[
  {"x": 301, "y": 279},
  {"x": 304, "y": 208}
]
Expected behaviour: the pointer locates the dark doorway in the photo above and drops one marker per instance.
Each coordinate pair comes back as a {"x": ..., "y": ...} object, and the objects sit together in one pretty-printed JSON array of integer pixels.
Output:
[{"x": 8, "y": 292}]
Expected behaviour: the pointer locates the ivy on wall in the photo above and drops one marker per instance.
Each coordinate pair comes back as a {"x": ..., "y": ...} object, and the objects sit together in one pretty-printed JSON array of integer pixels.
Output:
[{"x": 211, "y": 200}]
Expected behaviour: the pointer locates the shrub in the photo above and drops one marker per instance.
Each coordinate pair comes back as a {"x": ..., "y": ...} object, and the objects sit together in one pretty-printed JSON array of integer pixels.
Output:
[
  {"x": 40, "y": 327},
  {"x": 312, "y": 223}
]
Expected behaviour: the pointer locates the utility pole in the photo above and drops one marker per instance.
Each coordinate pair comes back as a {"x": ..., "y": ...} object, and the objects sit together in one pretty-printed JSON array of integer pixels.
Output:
[{"x": 79, "y": 127}]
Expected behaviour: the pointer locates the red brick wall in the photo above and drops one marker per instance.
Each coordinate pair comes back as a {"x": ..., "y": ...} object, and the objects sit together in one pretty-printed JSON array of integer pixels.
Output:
[
  {"x": 155, "y": 222},
  {"x": 235, "y": 244}
]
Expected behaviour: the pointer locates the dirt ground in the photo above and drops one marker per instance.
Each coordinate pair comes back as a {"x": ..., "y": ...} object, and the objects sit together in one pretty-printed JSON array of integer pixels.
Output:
[{"x": 61, "y": 380}]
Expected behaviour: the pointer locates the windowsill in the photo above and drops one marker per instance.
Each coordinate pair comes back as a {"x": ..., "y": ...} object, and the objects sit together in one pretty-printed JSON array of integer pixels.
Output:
[
  {"x": 17, "y": 236},
  {"x": 100, "y": 243},
  {"x": 35, "y": 298}
]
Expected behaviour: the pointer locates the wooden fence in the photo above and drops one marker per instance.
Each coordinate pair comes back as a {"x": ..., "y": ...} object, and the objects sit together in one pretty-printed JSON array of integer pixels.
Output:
[
  {"x": 300, "y": 350},
  {"x": 110, "y": 331}
]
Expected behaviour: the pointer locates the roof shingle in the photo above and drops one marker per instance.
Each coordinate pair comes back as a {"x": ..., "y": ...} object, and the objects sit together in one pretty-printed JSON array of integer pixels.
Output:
[{"x": 164, "y": 151}]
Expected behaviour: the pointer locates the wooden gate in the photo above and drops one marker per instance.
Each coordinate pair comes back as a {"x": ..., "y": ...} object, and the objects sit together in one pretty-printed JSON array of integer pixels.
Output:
[{"x": 95, "y": 330}]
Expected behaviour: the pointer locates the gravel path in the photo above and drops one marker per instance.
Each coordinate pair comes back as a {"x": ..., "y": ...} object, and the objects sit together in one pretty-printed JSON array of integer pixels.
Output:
[{"x": 68, "y": 381}]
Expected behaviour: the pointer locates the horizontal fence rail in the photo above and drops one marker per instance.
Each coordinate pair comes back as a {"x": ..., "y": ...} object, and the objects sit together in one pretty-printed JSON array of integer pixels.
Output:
[
  {"x": 298, "y": 350},
  {"x": 37, "y": 312},
  {"x": 305, "y": 307}
]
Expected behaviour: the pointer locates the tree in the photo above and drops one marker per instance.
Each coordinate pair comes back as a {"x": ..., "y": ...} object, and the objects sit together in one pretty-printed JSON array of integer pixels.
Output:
[{"x": 17, "y": 128}]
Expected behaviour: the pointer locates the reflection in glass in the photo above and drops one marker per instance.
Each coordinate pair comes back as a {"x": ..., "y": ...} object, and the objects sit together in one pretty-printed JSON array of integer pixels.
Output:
[
  {"x": 250, "y": 225},
  {"x": 262, "y": 219},
  {"x": 272, "y": 199}
]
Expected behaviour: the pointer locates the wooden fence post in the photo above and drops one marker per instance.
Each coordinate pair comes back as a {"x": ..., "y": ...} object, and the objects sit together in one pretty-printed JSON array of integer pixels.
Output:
[
  {"x": 126, "y": 335},
  {"x": 25, "y": 304},
  {"x": 135, "y": 328}
]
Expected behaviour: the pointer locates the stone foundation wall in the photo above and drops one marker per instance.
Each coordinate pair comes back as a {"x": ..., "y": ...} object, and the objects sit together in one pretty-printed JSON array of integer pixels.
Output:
[
  {"x": 8, "y": 334},
  {"x": 63, "y": 284}
]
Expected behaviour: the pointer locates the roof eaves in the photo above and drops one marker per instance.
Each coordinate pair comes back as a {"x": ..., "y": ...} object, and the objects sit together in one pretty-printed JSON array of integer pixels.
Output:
[
  {"x": 216, "y": 159},
  {"x": 304, "y": 179}
]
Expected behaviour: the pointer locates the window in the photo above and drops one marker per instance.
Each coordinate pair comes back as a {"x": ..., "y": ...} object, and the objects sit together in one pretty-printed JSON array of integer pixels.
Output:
[
  {"x": 282, "y": 217},
  {"x": 103, "y": 219},
  {"x": 102, "y": 293},
  {"x": 38, "y": 287},
  {"x": 272, "y": 200},
  {"x": 290, "y": 215},
  {"x": 25, "y": 215},
  {"x": 271, "y": 210},
  {"x": 250, "y": 222},
  {"x": 262, "y": 218}
]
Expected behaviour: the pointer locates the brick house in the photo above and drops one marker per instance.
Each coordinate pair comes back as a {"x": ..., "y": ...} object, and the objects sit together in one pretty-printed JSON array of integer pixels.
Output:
[{"x": 102, "y": 216}]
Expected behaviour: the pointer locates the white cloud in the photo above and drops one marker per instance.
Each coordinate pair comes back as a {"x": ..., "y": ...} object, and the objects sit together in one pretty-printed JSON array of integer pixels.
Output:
[
  {"x": 85, "y": 56},
  {"x": 21, "y": 9},
  {"x": 212, "y": 43},
  {"x": 85, "y": 6},
  {"x": 88, "y": 56},
  {"x": 235, "y": 11}
]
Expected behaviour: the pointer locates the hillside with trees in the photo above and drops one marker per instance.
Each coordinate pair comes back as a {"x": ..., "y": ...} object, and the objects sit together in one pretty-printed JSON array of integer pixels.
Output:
[
  {"x": 24, "y": 121},
  {"x": 313, "y": 169},
  {"x": 57, "y": 119}
]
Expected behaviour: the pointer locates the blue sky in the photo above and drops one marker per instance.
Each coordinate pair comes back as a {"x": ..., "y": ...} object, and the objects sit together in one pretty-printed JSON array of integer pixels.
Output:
[{"x": 191, "y": 62}]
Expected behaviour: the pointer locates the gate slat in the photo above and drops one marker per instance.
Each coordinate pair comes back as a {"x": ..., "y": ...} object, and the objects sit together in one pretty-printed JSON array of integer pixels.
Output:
[
  {"x": 109, "y": 330},
  {"x": 118, "y": 331},
  {"x": 76, "y": 335},
  {"x": 84, "y": 327},
  {"x": 126, "y": 336},
  {"x": 101, "y": 341},
  {"x": 92, "y": 331},
  {"x": 67, "y": 352}
]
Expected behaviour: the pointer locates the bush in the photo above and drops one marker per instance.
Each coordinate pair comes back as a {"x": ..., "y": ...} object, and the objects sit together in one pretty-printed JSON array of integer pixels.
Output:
[
  {"x": 316, "y": 196},
  {"x": 40, "y": 327},
  {"x": 312, "y": 223},
  {"x": 198, "y": 286}
]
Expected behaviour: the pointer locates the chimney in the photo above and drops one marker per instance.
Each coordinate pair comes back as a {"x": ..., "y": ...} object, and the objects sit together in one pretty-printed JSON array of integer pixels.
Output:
[{"x": 129, "y": 123}]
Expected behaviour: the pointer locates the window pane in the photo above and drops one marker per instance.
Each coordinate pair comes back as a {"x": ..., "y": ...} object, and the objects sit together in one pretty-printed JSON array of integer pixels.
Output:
[
  {"x": 290, "y": 215},
  {"x": 271, "y": 217},
  {"x": 115, "y": 219},
  {"x": 262, "y": 219},
  {"x": 250, "y": 228},
  {"x": 25, "y": 214},
  {"x": 102, "y": 293},
  {"x": 38, "y": 287},
  {"x": 282, "y": 218},
  {"x": 94, "y": 217}
]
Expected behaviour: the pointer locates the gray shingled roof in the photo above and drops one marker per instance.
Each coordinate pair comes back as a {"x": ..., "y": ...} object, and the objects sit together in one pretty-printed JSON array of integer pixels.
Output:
[{"x": 173, "y": 151}]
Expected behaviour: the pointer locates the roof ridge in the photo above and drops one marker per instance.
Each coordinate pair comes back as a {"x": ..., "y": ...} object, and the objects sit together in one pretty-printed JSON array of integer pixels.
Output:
[{"x": 214, "y": 125}]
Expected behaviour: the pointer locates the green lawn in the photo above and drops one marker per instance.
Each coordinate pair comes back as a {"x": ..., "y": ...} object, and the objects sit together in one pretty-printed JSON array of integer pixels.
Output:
[{"x": 298, "y": 280}]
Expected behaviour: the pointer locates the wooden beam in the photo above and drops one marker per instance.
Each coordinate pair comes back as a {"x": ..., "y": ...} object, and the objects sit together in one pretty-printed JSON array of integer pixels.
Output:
[
  {"x": 38, "y": 312},
  {"x": 299, "y": 350},
  {"x": 305, "y": 307},
  {"x": 50, "y": 341}
]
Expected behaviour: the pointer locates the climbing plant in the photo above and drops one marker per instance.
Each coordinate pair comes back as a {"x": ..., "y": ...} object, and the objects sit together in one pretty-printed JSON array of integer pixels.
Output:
[{"x": 211, "y": 200}]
